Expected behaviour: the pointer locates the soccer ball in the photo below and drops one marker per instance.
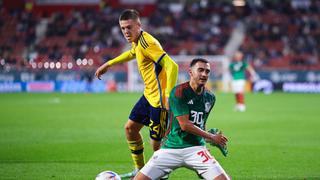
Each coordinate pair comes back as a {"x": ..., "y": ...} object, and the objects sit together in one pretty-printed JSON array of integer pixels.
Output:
[{"x": 108, "y": 175}]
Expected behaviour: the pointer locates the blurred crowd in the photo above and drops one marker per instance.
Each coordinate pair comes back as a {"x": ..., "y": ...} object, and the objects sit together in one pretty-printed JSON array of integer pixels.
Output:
[{"x": 282, "y": 35}]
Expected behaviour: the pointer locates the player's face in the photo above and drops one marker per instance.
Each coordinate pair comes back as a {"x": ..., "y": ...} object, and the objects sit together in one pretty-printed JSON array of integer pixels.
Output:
[
  {"x": 199, "y": 73},
  {"x": 238, "y": 56},
  {"x": 130, "y": 29}
]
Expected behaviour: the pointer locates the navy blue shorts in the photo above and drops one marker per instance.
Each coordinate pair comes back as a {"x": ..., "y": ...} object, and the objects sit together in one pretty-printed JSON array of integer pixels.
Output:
[{"x": 154, "y": 118}]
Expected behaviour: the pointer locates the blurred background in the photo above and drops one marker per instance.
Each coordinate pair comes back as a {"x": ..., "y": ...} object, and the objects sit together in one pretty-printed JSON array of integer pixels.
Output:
[{"x": 56, "y": 45}]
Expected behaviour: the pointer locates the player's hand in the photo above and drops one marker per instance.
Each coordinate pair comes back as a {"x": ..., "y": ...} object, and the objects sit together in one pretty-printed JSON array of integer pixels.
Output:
[
  {"x": 221, "y": 147},
  {"x": 101, "y": 70},
  {"x": 219, "y": 139}
]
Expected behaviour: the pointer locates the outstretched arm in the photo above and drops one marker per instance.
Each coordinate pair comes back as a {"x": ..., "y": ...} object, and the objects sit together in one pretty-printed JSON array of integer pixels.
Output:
[
  {"x": 253, "y": 74},
  {"x": 124, "y": 57}
]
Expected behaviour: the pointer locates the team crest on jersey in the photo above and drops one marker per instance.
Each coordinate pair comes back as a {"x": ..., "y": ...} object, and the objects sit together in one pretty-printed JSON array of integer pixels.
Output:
[{"x": 207, "y": 106}]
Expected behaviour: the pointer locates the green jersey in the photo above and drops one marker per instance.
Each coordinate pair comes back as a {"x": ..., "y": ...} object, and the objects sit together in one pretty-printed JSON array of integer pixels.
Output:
[
  {"x": 184, "y": 101},
  {"x": 238, "y": 70}
]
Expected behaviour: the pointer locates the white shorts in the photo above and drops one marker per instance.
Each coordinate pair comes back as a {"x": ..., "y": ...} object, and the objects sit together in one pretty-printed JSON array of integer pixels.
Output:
[
  {"x": 197, "y": 158},
  {"x": 238, "y": 86}
]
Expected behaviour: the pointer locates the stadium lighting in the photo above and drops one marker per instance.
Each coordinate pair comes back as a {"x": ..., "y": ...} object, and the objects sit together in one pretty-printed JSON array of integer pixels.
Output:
[
  {"x": 34, "y": 65},
  {"x": 78, "y": 61},
  {"x": 90, "y": 62},
  {"x": 51, "y": 65},
  {"x": 64, "y": 65},
  {"x": 84, "y": 61},
  {"x": 46, "y": 65},
  {"x": 239, "y": 3},
  {"x": 70, "y": 65},
  {"x": 40, "y": 64},
  {"x": 58, "y": 65}
]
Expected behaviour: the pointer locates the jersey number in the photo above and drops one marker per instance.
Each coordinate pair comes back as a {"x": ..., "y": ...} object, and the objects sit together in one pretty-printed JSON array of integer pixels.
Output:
[
  {"x": 205, "y": 155},
  {"x": 197, "y": 118}
]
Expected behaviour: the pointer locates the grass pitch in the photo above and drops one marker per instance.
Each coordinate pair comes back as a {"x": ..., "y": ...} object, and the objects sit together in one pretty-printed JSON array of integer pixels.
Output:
[{"x": 76, "y": 136}]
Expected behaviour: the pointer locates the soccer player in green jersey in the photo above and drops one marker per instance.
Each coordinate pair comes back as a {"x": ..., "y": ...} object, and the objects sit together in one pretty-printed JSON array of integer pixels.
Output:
[
  {"x": 238, "y": 68},
  {"x": 184, "y": 144},
  {"x": 159, "y": 74}
]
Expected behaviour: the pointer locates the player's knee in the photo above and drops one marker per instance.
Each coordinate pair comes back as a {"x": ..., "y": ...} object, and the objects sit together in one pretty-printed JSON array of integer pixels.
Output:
[
  {"x": 128, "y": 128},
  {"x": 155, "y": 144},
  {"x": 222, "y": 177},
  {"x": 141, "y": 176},
  {"x": 132, "y": 128}
]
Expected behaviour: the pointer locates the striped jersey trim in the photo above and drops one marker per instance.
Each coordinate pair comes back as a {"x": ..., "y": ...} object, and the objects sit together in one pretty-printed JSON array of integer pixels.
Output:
[{"x": 143, "y": 42}]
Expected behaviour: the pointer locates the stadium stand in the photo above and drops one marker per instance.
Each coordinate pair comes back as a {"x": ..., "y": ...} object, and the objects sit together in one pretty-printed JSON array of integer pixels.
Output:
[
  {"x": 284, "y": 36},
  {"x": 278, "y": 35}
]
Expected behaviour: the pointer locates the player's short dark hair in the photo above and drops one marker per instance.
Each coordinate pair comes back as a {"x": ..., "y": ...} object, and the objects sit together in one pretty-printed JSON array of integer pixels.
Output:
[
  {"x": 129, "y": 14},
  {"x": 194, "y": 61}
]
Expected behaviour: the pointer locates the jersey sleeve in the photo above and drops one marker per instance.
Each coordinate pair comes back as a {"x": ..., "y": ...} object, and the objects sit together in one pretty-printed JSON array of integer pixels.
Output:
[
  {"x": 155, "y": 52},
  {"x": 151, "y": 47},
  {"x": 124, "y": 57},
  {"x": 178, "y": 104},
  {"x": 171, "y": 69}
]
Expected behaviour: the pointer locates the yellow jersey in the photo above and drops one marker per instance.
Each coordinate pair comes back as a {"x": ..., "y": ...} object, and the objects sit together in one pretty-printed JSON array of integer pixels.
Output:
[{"x": 158, "y": 71}]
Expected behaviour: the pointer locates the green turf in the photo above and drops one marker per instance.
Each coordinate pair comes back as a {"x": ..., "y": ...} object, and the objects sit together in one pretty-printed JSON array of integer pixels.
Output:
[{"x": 75, "y": 136}]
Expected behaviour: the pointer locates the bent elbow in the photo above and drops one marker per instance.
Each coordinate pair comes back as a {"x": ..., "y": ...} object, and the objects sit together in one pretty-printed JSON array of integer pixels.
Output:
[{"x": 184, "y": 127}]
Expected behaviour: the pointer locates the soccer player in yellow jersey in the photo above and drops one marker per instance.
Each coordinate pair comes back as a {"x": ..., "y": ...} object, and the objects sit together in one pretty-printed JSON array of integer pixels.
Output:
[{"x": 159, "y": 74}]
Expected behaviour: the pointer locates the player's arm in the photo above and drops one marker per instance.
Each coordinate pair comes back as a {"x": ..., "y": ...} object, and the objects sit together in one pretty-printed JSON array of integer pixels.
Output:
[
  {"x": 158, "y": 55},
  {"x": 254, "y": 75},
  {"x": 186, "y": 125},
  {"x": 171, "y": 69},
  {"x": 124, "y": 57}
]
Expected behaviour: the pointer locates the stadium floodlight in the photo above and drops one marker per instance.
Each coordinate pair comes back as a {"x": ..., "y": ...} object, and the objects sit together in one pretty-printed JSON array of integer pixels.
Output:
[
  {"x": 52, "y": 65},
  {"x": 46, "y": 65},
  {"x": 90, "y": 62},
  {"x": 34, "y": 65},
  {"x": 84, "y": 62},
  {"x": 70, "y": 65},
  {"x": 58, "y": 65},
  {"x": 40, "y": 64},
  {"x": 239, "y": 3},
  {"x": 79, "y": 61},
  {"x": 64, "y": 65}
]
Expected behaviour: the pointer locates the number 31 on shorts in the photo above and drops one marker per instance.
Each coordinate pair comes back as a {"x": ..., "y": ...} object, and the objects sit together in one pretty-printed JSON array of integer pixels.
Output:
[{"x": 205, "y": 155}]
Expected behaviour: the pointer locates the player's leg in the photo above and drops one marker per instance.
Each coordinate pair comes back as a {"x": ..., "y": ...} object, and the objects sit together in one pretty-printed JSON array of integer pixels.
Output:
[
  {"x": 222, "y": 177},
  {"x": 199, "y": 158},
  {"x": 155, "y": 144},
  {"x": 241, "y": 103},
  {"x": 141, "y": 176},
  {"x": 139, "y": 117},
  {"x": 238, "y": 90},
  {"x": 135, "y": 142},
  {"x": 234, "y": 90},
  {"x": 157, "y": 126}
]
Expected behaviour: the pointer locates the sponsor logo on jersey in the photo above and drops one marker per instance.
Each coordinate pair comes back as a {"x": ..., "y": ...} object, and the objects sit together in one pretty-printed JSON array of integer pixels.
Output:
[{"x": 190, "y": 102}]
